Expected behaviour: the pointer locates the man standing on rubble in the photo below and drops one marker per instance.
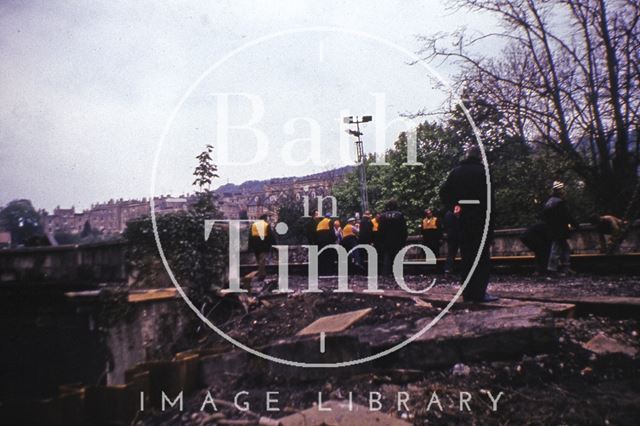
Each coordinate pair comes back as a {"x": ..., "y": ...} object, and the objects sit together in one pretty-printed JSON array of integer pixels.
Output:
[
  {"x": 468, "y": 182},
  {"x": 559, "y": 225},
  {"x": 392, "y": 235},
  {"x": 261, "y": 239}
]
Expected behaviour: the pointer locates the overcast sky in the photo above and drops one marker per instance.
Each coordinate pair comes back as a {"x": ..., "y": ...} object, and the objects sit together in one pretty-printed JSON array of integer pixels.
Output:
[{"x": 87, "y": 88}]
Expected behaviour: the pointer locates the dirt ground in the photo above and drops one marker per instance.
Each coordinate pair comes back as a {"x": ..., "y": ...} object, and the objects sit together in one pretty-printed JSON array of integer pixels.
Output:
[{"x": 570, "y": 385}]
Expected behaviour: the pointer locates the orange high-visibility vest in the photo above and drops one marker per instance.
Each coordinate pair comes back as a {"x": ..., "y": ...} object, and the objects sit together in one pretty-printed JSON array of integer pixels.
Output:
[
  {"x": 259, "y": 228},
  {"x": 374, "y": 222},
  {"x": 324, "y": 225},
  {"x": 430, "y": 223},
  {"x": 348, "y": 231}
]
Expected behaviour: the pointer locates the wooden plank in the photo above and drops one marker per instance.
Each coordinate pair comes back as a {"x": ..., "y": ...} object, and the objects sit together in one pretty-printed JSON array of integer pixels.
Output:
[
  {"x": 151, "y": 295},
  {"x": 334, "y": 323}
]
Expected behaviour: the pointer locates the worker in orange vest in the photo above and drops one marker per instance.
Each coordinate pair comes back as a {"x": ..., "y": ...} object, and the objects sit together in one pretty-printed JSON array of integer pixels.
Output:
[
  {"x": 431, "y": 232},
  {"x": 350, "y": 240},
  {"x": 375, "y": 222},
  {"x": 325, "y": 235},
  {"x": 365, "y": 234},
  {"x": 261, "y": 239}
]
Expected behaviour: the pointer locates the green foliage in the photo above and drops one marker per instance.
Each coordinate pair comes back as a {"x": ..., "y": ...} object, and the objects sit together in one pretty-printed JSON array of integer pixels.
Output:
[
  {"x": 414, "y": 187},
  {"x": 21, "y": 220},
  {"x": 204, "y": 174},
  {"x": 87, "y": 230},
  {"x": 521, "y": 175},
  {"x": 199, "y": 265},
  {"x": 206, "y": 170},
  {"x": 65, "y": 238}
]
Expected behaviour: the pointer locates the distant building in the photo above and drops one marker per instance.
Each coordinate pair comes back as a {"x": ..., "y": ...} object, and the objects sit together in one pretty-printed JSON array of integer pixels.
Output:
[
  {"x": 110, "y": 217},
  {"x": 63, "y": 220},
  {"x": 252, "y": 198},
  {"x": 264, "y": 197}
]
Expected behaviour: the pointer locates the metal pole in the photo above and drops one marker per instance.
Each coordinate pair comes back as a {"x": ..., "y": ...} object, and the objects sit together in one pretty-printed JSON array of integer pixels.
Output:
[{"x": 364, "y": 198}]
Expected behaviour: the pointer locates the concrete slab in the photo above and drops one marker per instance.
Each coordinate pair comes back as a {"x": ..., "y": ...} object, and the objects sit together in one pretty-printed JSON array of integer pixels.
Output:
[
  {"x": 483, "y": 322},
  {"x": 490, "y": 334},
  {"x": 602, "y": 345},
  {"x": 341, "y": 414},
  {"x": 334, "y": 323},
  {"x": 443, "y": 297},
  {"x": 612, "y": 306}
]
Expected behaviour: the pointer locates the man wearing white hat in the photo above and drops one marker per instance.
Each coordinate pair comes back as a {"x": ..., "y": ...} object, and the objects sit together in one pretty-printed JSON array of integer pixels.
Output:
[{"x": 559, "y": 222}]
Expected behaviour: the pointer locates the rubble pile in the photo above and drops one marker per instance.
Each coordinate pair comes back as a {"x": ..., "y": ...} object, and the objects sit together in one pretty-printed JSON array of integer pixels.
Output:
[{"x": 514, "y": 361}]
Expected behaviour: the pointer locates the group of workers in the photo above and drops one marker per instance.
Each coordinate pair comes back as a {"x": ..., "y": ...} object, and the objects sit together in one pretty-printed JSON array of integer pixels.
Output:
[
  {"x": 548, "y": 238},
  {"x": 387, "y": 231},
  {"x": 464, "y": 227}
]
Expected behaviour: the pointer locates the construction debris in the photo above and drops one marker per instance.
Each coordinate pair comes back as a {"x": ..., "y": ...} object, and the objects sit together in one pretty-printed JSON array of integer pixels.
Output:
[{"x": 602, "y": 345}]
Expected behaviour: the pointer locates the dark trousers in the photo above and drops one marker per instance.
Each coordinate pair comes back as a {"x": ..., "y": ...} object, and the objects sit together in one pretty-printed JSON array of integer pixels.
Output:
[
  {"x": 327, "y": 261},
  {"x": 389, "y": 255},
  {"x": 431, "y": 239},
  {"x": 542, "y": 258},
  {"x": 453, "y": 245},
  {"x": 471, "y": 237},
  {"x": 355, "y": 257},
  {"x": 559, "y": 255},
  {"x": 261, "y": 260}
]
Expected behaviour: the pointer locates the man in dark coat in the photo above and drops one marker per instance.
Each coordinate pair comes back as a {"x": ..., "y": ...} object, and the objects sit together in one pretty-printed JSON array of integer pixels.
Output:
[
  {"x": 559, "y": 224},
  {"x": 452, "y": 231},
  {"x": 366, "y": 229},
  {"x": 310, "y": 227},
  {"x": 468, "y": 182},
  {"x": 366, "y": 234},
  {"x": 392, "y": 235},
  {"x": 325, "y": 236},
  {"x": 261, "y": 239}
]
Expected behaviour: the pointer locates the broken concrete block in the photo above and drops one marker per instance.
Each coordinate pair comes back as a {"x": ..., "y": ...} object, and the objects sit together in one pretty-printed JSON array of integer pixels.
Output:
[
  {"x": 490, "y": 334},
  {"x": 602, "y": 344}
]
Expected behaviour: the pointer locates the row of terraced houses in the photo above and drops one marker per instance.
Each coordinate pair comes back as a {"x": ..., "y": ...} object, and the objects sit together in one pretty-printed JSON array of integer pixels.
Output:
[{"x": 249, "y": 200}]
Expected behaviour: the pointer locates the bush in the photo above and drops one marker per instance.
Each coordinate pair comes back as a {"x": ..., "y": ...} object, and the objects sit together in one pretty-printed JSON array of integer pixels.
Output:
[{"x": 198, "y": 265}]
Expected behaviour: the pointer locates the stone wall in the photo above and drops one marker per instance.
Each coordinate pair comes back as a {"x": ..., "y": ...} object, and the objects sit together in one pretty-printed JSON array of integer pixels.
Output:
[
  {"x": 90, "y": 264},
  {"x": 53, "y": 337},
  {"x": 87, "y": 264},
  {"x": 154, "y": 330}
]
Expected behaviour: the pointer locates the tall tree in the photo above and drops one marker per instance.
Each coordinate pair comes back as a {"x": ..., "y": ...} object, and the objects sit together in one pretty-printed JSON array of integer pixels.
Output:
[
  {"x": 568, "y": 78},
  {"x": 21, "y": 220}
]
